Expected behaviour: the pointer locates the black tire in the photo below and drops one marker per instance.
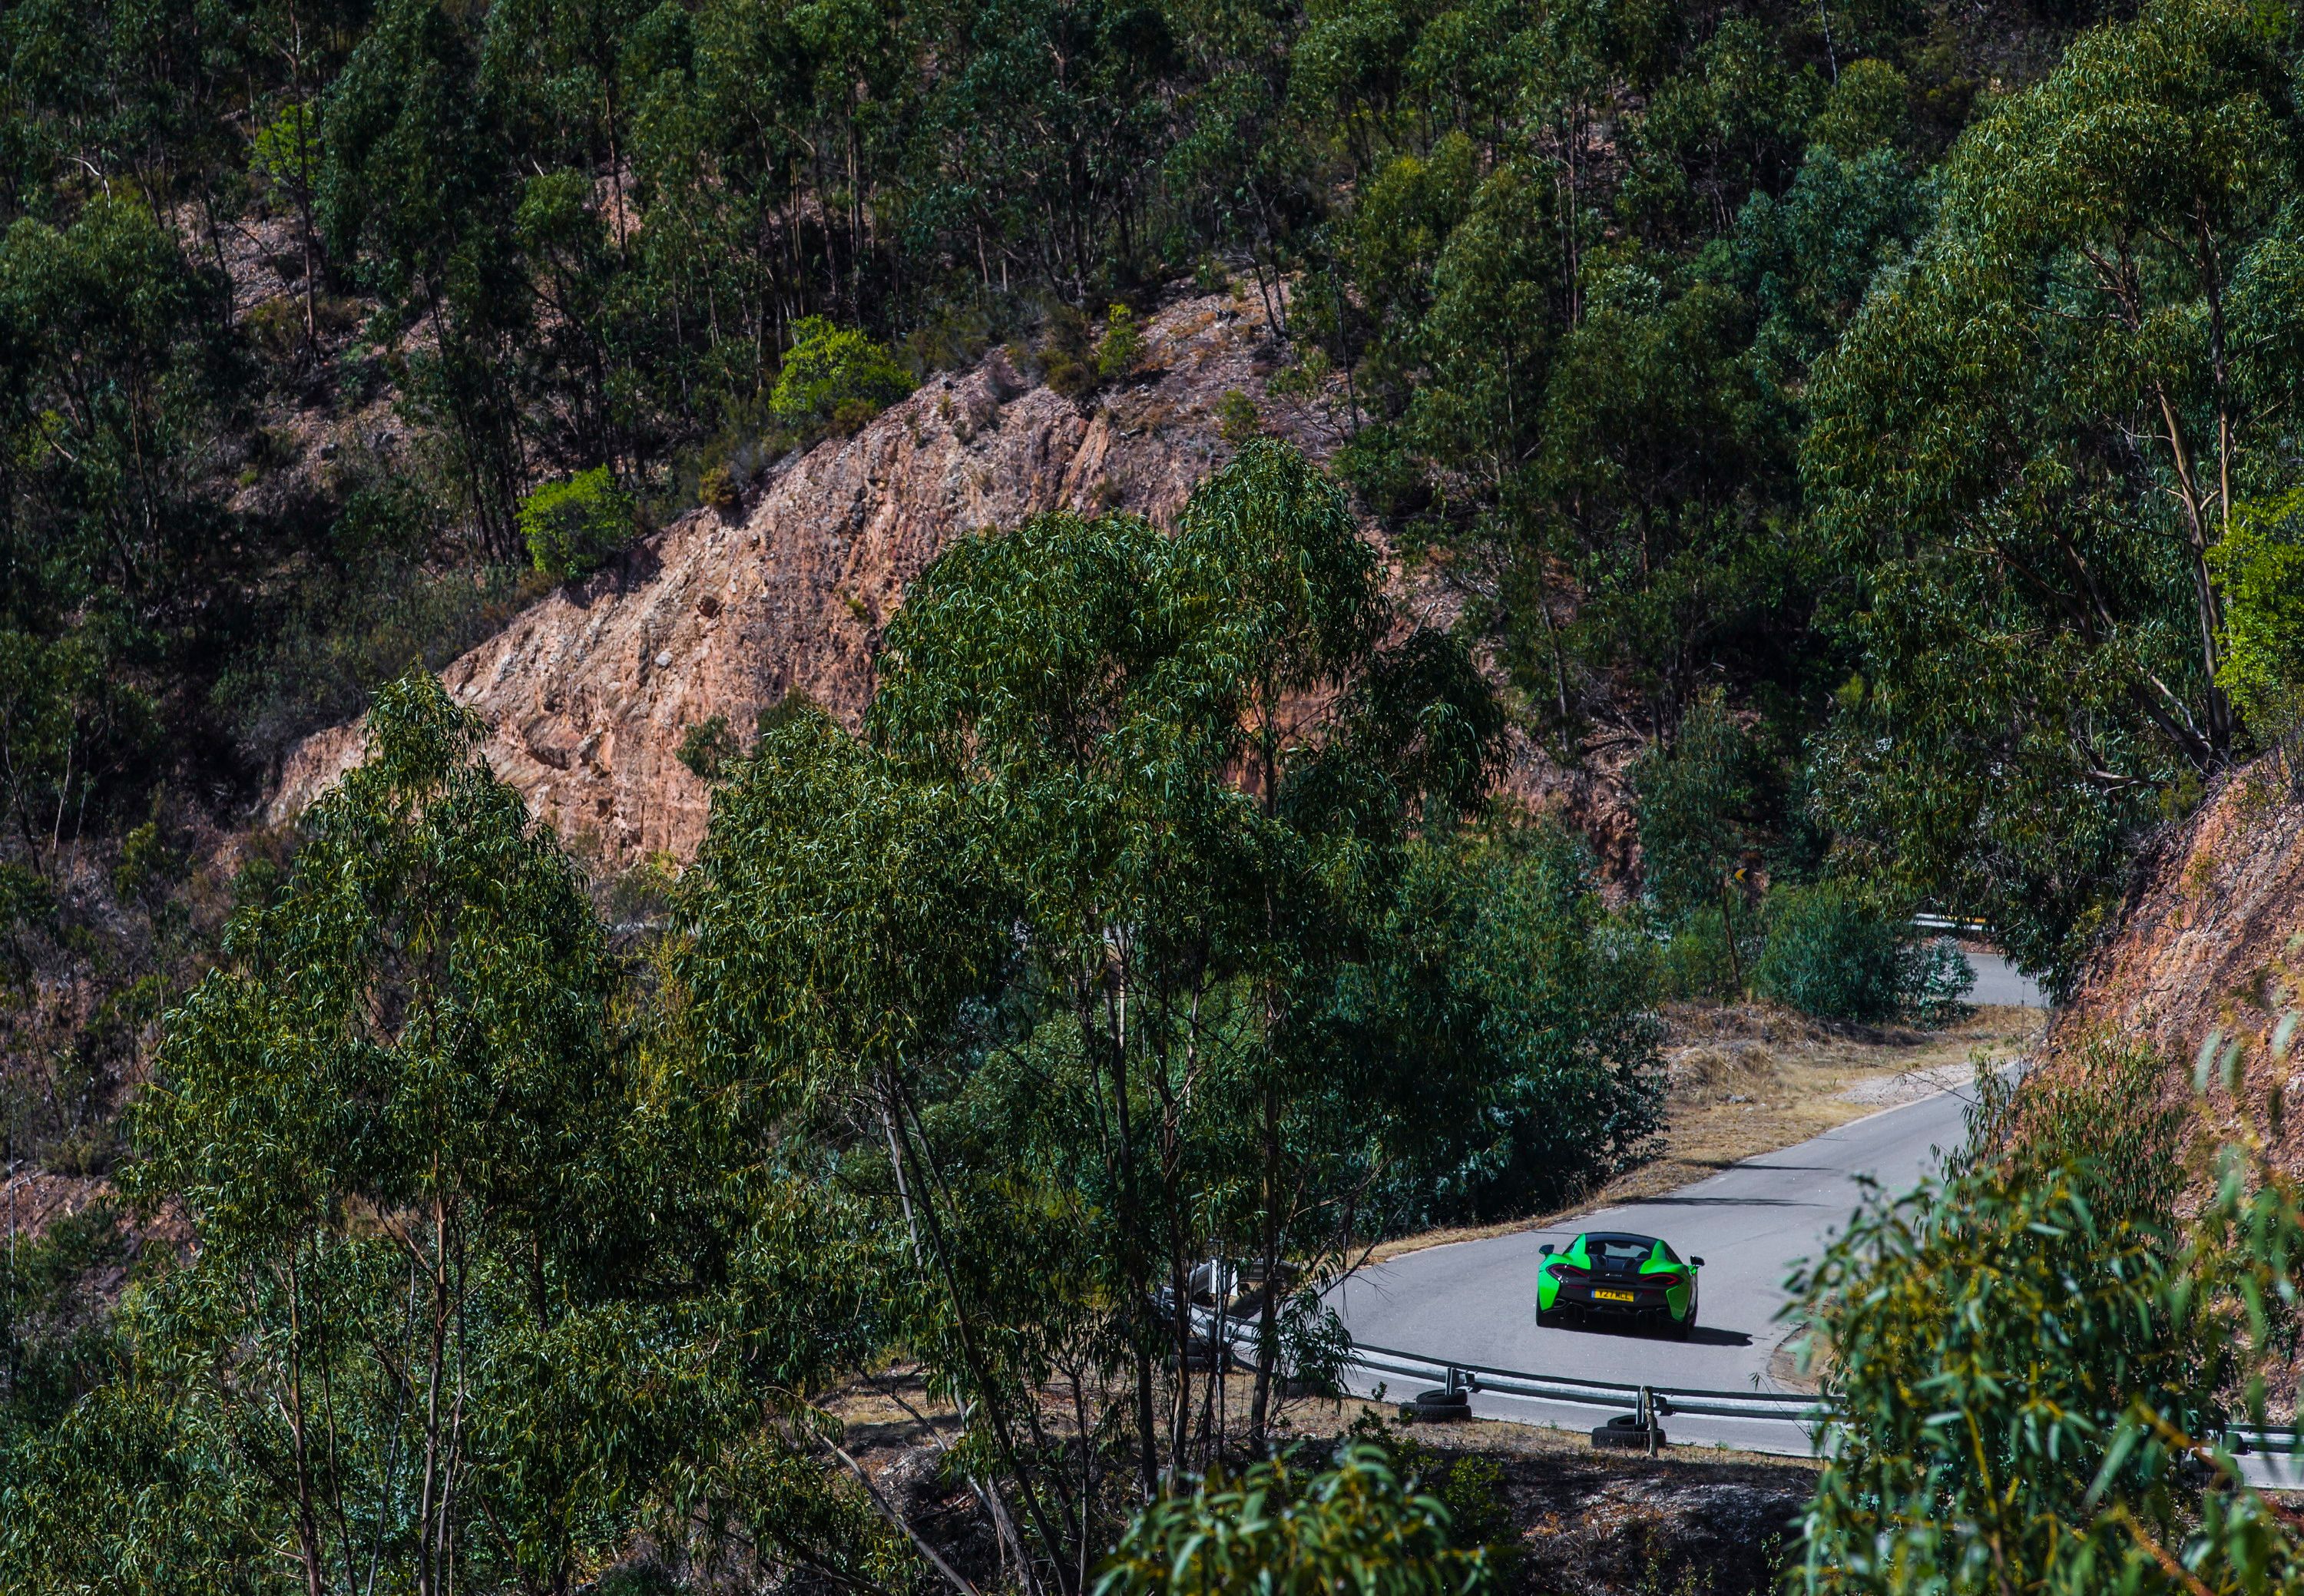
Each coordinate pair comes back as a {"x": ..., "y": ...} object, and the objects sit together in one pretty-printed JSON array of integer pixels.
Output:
[
  {"x": 1679, "y": 1332},
  {"x": 1443, "y": 1406},
  {"x": 1549, "y": 1321},
  {"x": 1624, "y": 1433}
]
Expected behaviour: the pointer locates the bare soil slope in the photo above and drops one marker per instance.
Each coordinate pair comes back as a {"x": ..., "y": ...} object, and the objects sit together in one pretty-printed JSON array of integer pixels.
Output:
[{"x": 2207, "y": 942}]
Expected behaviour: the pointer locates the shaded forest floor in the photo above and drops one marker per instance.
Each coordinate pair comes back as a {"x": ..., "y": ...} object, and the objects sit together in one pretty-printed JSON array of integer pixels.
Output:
[{"x": 1694, "y": 1521}]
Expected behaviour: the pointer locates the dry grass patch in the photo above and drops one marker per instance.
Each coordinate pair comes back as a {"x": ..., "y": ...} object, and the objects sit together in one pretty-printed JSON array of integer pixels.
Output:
[{"x": 1753, "y": 1078}]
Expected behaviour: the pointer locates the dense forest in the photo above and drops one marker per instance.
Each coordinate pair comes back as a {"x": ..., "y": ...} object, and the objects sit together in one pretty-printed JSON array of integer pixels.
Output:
[
  {"x": 1867, "y": 426},
  {"x": 1903, "y": 387}
]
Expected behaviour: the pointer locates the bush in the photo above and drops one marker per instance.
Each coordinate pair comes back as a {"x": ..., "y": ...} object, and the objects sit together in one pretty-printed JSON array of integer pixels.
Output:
[
  {"x": 1830, "y": 955},
  {"x": 1693, "y": 797},
  {"x": 2034, "y": 1362},
  {"x": 1281, "y": 1531},
  {"x": 2260, "y": 566},
  {"x": 1121, "y": 346},
  {"x": 835, "y": 377},
  {"x": 1696, "y": 963},
  {"x": 718, "y": 489},
  {"x": 1237, "y": 418},
  {"x": 707, "y": 748},
  {"x": 1531, "y": 1008},
  {"x": 571, "y": 526}
]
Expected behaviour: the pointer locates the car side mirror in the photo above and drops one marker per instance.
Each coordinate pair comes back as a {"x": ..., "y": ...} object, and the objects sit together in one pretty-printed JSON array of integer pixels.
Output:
[
  {"x": 1546, "y": 1249},
  {"x": 1698, "y": 1262}
]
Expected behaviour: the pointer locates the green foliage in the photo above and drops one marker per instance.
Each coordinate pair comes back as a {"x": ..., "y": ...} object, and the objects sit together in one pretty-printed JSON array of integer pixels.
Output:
[
  {"x": 1120, "y": 349},
  {"x": 2259, "y": 569},
  {"x": 1831, "y": 954},
  {"x": 1696, "y": 963},
  {"x": 471, "y": 1293},
  {"x": 719, "y": 489},
  {"x": 1284, "y": 1528},
  {"x": 1531, "y": 1008},
  {"x": 2027, "y": 442},
  {"x": 708, "y": 747},
  {"x": 54, "y": 1340},
  {"x": 1237, "y": 419},
  {"x": 1073, "y": 928},
  {"x": 571, "y": 526},
  {"x": 2035, "y": 1360},
  {"x": 286, "y": 151},
  {"x": 1693, "y": 799},
  {"x": 835, "y": 376}
]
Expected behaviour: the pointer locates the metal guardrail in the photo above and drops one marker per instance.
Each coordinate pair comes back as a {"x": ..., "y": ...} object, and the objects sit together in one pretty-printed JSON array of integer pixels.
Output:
[
  {"x": 1792, "y": 1407},
  {"x": 1945, "y": 922},
  {"x": 1789, "y": 1407},
  {"x": 1811, "y": 1412}
]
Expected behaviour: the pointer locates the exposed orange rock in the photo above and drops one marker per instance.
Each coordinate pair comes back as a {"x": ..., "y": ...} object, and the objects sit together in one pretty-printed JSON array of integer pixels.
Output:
[
  {"x": 2208, "y": 943},
  {"x": 589, "y": 691}
]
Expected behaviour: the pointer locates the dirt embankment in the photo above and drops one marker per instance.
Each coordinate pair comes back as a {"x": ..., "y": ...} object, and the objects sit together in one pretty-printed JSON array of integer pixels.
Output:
[
  {"x": 2209, "y": 942},
  {"x": 1581, "y": 1522}
]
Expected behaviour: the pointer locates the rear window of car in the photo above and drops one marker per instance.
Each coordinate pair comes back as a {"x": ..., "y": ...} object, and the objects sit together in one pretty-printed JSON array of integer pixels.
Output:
[{"x": 1615, "y": 1249}]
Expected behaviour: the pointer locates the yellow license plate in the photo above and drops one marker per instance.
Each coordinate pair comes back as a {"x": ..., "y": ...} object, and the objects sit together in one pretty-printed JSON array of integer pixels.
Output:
[{"x": 1611, "y": 1296}]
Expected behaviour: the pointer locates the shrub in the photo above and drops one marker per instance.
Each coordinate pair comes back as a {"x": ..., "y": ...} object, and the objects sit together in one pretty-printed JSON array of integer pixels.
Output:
[
  {"x": 1692, "y": 797},
  {"x": 1937, "y": 981},
  {"x": 718, "y": 489},
  {"x": 1236, "y": 417},
  {"x": 707, "y": 748},
  {"x": 1282, "y": 1530},
  {"x": 2259, "y": 564},
  {"x": 1531, "y": 1006},
  {"x": 1830, "y": 955},
  {"x": 571, "y": 526},
  {"x": 1121, "y": 346},
  {"x": 835, "y": 376},
  {"x": 1696, "y": 963},
  {"x": 2034, "y": 1361}
]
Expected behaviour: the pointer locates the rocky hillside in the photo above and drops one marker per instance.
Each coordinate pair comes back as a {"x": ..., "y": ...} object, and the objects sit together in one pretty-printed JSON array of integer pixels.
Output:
[
  {"x": 2210, "y": 938},
  {"x": 588, "y": 693}
]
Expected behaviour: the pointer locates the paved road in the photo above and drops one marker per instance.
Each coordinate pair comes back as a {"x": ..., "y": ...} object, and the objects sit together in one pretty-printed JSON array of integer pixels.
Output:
[
  {"x": 1999, "y": 981},
  {"x": 1474, "y": 1302}
]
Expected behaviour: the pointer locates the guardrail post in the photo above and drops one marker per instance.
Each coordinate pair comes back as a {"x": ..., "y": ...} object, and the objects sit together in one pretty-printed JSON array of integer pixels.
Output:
[{"x": 1649, "y": 1418}]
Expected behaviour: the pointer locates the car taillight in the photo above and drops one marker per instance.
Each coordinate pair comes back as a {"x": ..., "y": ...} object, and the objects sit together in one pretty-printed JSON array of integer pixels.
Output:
[{"x": 1569, "y": 1271}]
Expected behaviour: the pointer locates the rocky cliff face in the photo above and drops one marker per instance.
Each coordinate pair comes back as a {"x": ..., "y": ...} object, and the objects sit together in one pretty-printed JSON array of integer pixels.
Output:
[
  {"x": 2211, "y": 940},
  {"x": 588, "y": 693}
]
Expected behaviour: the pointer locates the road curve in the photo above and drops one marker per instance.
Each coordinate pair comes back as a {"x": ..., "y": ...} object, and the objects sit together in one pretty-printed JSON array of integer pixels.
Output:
[{"x": 1474, "y": 1302}]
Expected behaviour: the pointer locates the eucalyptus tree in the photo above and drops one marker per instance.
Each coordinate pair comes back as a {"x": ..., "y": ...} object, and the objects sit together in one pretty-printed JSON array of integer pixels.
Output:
[
  {"x": 2032, "y": 439},
  {"x": 2037, "y": 1360},
  {"x": 477, "y": 1290},
  {"x": 1046, "y": 946}
]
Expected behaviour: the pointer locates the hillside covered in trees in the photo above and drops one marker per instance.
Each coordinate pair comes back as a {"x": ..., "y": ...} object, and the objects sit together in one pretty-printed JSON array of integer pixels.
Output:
[{"x": 1866, "y": 428}]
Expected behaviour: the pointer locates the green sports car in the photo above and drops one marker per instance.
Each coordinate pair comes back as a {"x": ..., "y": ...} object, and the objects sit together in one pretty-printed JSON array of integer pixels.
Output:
[{"x": 1605, "y": 1274}]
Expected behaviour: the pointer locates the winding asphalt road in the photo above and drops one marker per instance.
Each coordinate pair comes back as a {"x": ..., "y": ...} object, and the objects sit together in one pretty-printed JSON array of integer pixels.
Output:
[{"x": 1474, "y": 1302}]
